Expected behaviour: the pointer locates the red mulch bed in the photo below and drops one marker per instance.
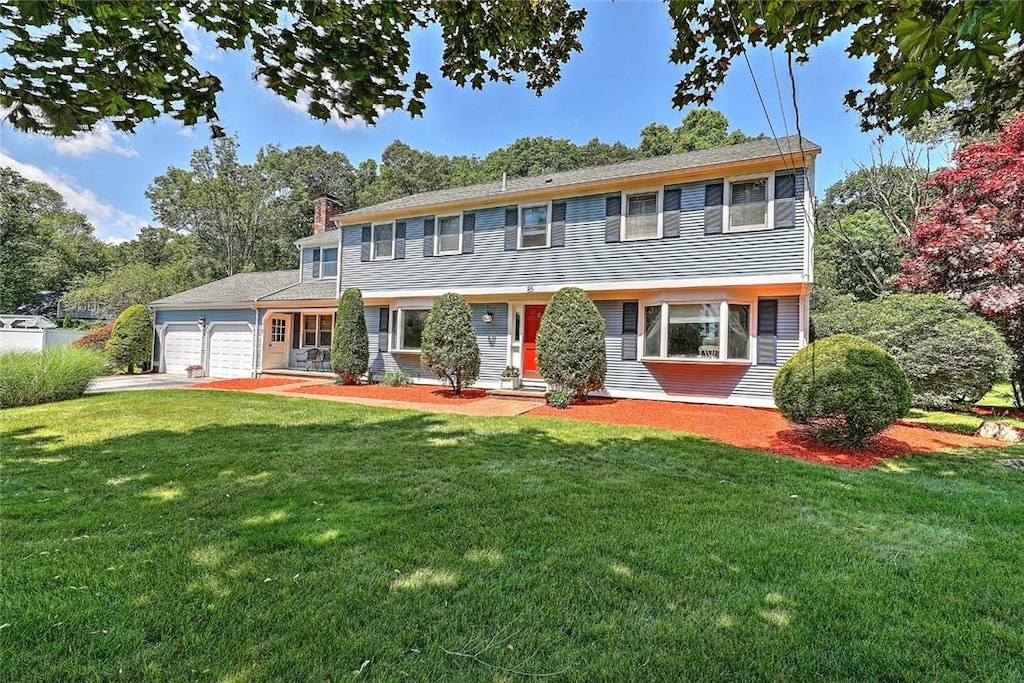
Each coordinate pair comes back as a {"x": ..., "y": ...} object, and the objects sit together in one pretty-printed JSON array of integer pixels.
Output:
[
  {"x": 414, "y": 393},
  {"x": 762, "y": 429},
  {"x": 985, "y": 411},
  {"x": 247, "y": 384}
]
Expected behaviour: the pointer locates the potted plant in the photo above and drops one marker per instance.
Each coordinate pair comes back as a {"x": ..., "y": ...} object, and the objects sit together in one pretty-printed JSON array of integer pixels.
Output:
[
  {"x": 194, "y": 370},
  {"x": 510, "y": 378}
]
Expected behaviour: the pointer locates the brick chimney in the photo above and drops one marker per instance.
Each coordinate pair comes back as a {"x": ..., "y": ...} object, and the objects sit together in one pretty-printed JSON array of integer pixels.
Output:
[{"x": 324, "y": 209}]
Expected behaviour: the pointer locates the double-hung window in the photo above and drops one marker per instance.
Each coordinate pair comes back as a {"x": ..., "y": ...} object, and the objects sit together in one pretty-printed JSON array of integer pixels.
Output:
[
  {"x": 410, "y": 328},
  {"x": 325, "y": 262},
  {"x": 449, "y": 235},
  {"x": 748, "y": 205},
  {"x": 384, "y": 241},
  {"x": 535, "y": 230},
  {"x": 698, "y": 331},
  {"x": 642, "y": 218},
  {"x": 317, "y": 330}
]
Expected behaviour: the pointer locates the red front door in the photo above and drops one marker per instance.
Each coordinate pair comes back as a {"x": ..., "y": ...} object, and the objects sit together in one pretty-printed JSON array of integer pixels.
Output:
[{"x": 530, "y": 326}]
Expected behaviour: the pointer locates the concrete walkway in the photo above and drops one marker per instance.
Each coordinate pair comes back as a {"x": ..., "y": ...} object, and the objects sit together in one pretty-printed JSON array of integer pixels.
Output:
[{"x": 140, "y": 383}]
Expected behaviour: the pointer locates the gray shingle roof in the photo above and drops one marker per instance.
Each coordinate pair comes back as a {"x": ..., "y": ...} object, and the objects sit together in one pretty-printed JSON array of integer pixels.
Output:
[
  {"x": 240, "y": 288},
  {"x": 316, "y": 290},
  {"x": 746, "y": 151}
]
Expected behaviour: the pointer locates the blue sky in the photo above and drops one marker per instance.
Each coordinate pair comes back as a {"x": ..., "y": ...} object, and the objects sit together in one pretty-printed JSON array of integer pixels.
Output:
[{"x": 619, "y": 83}]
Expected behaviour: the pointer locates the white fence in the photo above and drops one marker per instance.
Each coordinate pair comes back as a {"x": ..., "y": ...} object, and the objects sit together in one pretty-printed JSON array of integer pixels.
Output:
[{"x": 35, "y": 339}]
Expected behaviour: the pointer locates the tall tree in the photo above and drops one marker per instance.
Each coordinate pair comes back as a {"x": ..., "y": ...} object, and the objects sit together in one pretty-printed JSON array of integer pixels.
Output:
[
  {"x": 969, "y": 242},
  {"x": 701, "y": 128}
]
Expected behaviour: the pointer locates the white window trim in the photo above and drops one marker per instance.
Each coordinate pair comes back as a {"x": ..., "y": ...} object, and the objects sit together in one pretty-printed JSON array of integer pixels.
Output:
[
  {"x": 317, "y": 330},
  {"x": 522, "y": 209},
  {"x": 723, "y": 326},
  {"x": 437, "y": 236},
  {"x": 400, "y": 332},
  {"x": 318, "y": 258},
  {"x": 373, "y": 242},
  {"x": 660, "y": 192},
  {"x": 769, "y": 220}
]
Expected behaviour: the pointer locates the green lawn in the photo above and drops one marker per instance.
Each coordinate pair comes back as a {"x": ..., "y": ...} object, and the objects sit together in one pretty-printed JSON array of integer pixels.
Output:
[
  {"x": 227, "y": 537},
  {"x": 1001, "y": 396},
  {"x": 950, "y": 421}
]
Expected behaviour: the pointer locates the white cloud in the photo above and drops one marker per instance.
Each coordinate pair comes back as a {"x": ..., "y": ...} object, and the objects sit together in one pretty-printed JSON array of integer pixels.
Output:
[
  {"x": 112, "y": 224},
  {"x": 103, "y": 138}
]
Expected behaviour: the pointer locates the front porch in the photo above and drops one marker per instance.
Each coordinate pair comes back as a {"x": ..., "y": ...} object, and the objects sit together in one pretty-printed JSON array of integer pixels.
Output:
[{"x": 297, "y": 342}]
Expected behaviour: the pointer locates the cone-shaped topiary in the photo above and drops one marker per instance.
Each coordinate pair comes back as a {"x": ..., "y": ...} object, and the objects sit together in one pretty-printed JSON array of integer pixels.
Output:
[
  {"x": 843, "y": 389},
  {"x": 570, "y": 343},
  {"x": 449, "y": 347},
  {"x": 350, "y": 347},
  {"x": 131, "y": 340}
]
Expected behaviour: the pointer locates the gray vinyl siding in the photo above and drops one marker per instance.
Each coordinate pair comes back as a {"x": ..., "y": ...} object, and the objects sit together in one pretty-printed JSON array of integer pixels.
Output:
[
  {"x": 586, "y": 257},
  {"x": 306, "y": 272},
  {"x": 236, "y": 315},
  {"x": 709, "y": 380},
  {"x": 492, "y": 340}
]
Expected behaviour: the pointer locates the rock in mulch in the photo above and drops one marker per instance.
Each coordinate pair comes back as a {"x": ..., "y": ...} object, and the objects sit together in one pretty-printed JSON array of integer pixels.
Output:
[{"x": 998, "y": 431}]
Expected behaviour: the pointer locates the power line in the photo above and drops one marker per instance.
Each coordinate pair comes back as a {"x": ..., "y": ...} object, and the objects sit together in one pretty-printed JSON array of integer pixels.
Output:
[
  {"x": 775, "y": 72},
  {"x": 757, "y": 89}
]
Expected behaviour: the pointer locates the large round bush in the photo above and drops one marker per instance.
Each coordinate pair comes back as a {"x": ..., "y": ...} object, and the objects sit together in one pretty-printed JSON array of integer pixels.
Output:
[
  {"x": 843, "y": 389},
  {"x": 951, "y": 355},
  {"x": 31, "y": 377},
  {"x": 350, "y": 347},
  {"x": 570, "y": 343},
  {"x": 131, "y": 340}
]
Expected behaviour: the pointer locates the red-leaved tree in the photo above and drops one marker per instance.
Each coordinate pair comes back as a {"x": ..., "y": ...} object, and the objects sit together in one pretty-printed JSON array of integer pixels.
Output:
[{"x": 968, "y": 243}]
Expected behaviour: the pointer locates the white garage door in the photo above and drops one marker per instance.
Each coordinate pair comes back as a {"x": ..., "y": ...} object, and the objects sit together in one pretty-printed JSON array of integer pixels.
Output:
[
  {"x": 182, "y": 347},
  {"x": 230, "y": 350}
]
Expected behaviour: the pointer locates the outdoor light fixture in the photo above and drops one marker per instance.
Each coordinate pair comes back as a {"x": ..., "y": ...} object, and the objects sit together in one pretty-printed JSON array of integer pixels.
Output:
[
  {"x": 202, "y": 322},
  {"x": 488, "y": 317}
]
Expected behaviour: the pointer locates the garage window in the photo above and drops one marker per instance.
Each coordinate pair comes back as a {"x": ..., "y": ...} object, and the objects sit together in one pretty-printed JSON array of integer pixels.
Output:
[{"x": 317, "y": 330}]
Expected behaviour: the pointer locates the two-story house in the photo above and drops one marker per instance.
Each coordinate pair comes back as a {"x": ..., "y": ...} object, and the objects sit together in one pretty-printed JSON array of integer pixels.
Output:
[{"x": 700, "y": 264}]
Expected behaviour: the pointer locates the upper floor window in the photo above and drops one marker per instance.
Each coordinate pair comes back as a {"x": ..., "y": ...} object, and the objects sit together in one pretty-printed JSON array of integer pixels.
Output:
[
  {"x": 325, "y": 262},
  {"x": 534, "y": 228},
  {"x": 642, "y": 217},
  {"x": 384, "y": 241},
  {"x": 449, "y": 235},
  {"x": 748, "y": 205}
]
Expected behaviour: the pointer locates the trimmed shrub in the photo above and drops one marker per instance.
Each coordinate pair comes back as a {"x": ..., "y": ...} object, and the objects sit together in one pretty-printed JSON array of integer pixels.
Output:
[
  {"x": 350, "y": 347},
  {"x": 96, "y": 340},
  {"x": 843, "y": 389},
  {"x": 951, "y": 355},
  {"x": 560, "y": 398},
  {"x": 131, "y": 340},
  {"x": 396, "y": 379},
  {"x": 570, "y": 343},
  {"x": 56, "y": 374},
  {"x": 449, "y": 347}
]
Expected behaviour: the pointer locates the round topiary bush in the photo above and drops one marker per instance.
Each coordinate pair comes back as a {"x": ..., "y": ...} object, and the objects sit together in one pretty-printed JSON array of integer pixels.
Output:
[
  {"x": 131, "y": 340},
  {"x": 570, "y": 343},
  {"x": 350, "y": 347},
  {"x": 449, "y": 342},
  {"x": 843, "y": 389}
]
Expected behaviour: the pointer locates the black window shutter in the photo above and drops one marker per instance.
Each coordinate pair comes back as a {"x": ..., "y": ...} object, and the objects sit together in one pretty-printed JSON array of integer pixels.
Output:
[
  {"x": 630, "y": 311},
  {"x": 383, "y": 313},
  {"x": 400, "y": 239},
  {"x": 316, "y": 262},
  {"x": 296, "y": 329},
  {"x": 511, "y": 228},
  {"x": 394, "y": 329},
  {"x": 428, "y": 236},
  {"x": 785, "y": 200},
  {"x": 612, "y": 218},
  {"x": 713, "y": 196},
  {"x": 558, "y": 224},
  {"x": 767, "y": 331},
  {"x": 468, "y": 232},
  {"x": 364, "y": 252},
  {"x": 670, "y": 213}
]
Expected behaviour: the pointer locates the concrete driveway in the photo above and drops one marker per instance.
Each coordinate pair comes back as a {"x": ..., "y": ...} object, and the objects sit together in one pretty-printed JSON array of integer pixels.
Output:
[{"x": 139, "y": 383}]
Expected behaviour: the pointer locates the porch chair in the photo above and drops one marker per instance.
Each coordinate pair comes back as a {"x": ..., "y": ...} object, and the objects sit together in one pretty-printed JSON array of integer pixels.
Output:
[{"x": 316, "y": 358}]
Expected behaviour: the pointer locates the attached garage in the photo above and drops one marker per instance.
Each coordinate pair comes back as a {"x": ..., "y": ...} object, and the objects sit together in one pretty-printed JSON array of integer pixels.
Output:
[
  {"x": 230, "y": 350},
  {"x": 182, "y": 346}
]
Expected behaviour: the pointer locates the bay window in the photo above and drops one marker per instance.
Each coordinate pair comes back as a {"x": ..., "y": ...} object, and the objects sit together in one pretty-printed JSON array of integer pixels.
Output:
[
  {"x": 410, "y": 328},
  {"x": 700, "y": 331}
]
